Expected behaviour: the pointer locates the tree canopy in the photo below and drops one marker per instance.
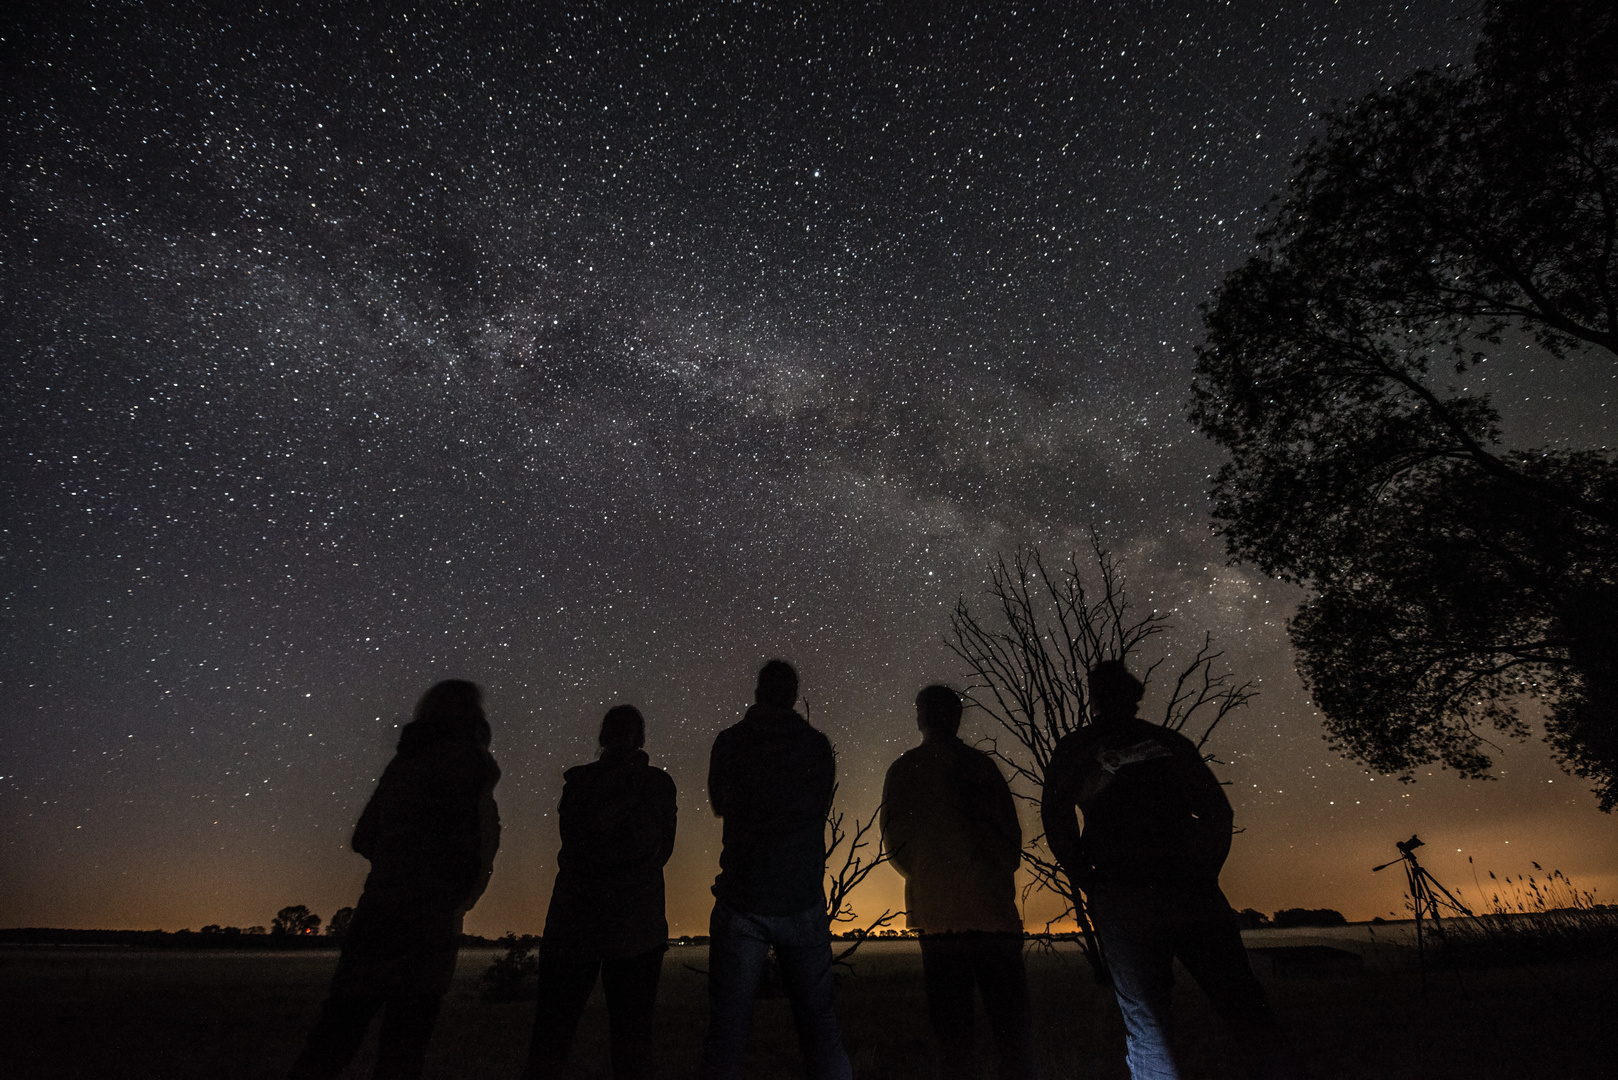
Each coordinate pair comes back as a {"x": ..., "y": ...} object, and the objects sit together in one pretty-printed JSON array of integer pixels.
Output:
[
  {"x": 1437, "y": 225},
  {"x": 295, "y": 920}
]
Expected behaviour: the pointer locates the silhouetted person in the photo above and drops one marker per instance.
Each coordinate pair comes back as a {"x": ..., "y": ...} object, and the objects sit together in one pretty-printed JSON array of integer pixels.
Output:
[
  {"x": 1157, "y": 828},
  {"x": 606, "y": 916},
  {"x": 430, "y": 830},
  {"x": 770, "y": 777},
  {"x": 949, "y": 821}
]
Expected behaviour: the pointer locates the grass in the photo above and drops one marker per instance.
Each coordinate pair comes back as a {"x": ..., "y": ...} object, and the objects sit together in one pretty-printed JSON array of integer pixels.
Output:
[
  {"x": 1532, "y": 919},
  {"x": 72, "y": 1012}
]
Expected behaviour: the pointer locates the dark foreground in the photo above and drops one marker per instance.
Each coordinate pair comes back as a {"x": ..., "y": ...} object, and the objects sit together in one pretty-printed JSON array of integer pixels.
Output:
[{"x": 73, "y": 1012}]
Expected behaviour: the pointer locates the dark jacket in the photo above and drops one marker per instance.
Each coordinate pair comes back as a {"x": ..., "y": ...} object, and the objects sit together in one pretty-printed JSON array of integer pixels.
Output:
[
  {"x": 949, "y": 821},
  {"x": 431, "y": 830},
  {"x": 617, "y": 820},
  {"x": 1153, "y": 811},
  {"x": 770, "y": 777}
]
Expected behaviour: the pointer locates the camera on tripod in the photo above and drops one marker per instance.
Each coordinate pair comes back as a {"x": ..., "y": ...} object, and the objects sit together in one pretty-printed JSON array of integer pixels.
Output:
[{"x": 1427, "y": 900}]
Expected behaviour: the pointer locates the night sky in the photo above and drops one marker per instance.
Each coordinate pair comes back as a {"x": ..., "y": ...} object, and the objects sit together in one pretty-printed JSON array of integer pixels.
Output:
[{"x": 599, "y": 355}]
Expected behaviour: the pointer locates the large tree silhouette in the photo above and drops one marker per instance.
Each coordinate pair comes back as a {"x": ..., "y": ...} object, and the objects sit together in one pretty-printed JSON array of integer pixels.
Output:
[{"x": 1459, "y": 587}]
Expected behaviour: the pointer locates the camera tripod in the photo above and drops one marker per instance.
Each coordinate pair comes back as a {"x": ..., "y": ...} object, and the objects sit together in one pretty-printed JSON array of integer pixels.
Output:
[{"x": 1427, "y": 899}]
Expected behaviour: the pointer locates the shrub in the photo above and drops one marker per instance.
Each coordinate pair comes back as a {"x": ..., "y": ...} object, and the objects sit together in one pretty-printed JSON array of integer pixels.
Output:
[{"x": 514, "y": 976}]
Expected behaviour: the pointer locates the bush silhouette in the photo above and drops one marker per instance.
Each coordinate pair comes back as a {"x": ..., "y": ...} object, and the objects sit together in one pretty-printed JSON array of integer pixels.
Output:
[
  {"x": 294, "y": 921},
  {"x": 1308, "y": 917}
]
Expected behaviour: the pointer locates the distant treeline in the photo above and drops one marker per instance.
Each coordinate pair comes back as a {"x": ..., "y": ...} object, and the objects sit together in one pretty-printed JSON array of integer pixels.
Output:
[
  {"x": 257, "y": 937},
  {"x": 1290, "y": 917},
  {"x": 221, "y": 938}
]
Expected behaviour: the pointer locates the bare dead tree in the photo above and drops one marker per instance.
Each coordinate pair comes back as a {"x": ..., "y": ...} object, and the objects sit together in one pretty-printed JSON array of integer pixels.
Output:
[
  {"x": 842, "y": 878},
  {"x": 1028, "y": 663}
]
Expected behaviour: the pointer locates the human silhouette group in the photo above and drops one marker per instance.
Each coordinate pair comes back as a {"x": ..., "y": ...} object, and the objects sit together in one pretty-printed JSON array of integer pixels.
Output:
[{"x": 1155, "y": 833}]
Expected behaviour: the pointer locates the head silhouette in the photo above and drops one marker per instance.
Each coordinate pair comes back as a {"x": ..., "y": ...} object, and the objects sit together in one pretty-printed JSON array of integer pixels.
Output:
[
  {"x": 1114, "y": 693},
  {"x": 622, "y": 729},
  {"x": 777, "y": 685},
  {"x": 938, "y": 711},
  {"x": 450, "y": 709}
]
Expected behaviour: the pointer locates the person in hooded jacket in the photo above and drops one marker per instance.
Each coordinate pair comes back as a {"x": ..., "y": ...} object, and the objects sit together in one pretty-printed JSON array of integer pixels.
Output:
[
  {"x": 771, "y": 778},
  {"x": 430, "y": 831},
  {"x": 606, "y": 917}
]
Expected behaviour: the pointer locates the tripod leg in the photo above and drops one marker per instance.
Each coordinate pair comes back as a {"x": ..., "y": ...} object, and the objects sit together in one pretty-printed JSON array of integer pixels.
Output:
[
  {"x": 1416, "y": 905},
  {"x": 1428, "y": 883}
]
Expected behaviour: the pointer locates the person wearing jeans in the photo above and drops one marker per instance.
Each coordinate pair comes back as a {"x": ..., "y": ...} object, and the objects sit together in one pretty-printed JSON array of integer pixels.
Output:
[
  {"x": 1144, "y": 929},
  {"x": 1157, "y": 828},
  {"x": 770, "y": 778},
  {"x": 739, "y": 949}
]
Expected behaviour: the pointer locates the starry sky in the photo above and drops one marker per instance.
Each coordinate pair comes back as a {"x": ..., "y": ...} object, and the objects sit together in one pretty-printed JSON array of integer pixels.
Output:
[{"x": 600, "y": 352}]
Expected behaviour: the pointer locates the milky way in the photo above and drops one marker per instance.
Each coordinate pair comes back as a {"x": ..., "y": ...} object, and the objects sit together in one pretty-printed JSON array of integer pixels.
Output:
[{"x": 598, "y": 356}]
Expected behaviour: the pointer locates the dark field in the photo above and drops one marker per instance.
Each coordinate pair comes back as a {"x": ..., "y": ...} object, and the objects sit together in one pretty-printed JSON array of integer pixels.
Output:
[{"x": 73, "y": 1012}]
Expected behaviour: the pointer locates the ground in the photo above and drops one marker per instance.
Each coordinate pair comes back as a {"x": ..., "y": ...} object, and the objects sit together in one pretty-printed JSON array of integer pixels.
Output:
[{"x": 75, "y": 1012}]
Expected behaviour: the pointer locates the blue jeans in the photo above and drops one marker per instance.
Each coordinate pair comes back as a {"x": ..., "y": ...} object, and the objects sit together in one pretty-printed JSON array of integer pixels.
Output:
[
  {"x": 739, "y": 944},
  {"x": 1143, "y": 929}
]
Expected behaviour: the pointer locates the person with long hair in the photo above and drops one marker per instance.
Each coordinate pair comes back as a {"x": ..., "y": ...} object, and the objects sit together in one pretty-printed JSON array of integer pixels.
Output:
[
  {"x": 430, "y": 831},
  {"x": 606, "y": 918}
]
